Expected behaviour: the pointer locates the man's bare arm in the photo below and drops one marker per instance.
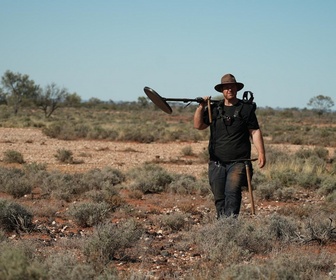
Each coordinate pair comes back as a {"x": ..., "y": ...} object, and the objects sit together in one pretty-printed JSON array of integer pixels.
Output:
[{"x": 258, "y": 142}]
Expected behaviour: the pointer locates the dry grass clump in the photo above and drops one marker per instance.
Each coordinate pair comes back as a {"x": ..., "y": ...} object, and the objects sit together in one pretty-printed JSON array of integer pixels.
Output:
[
  {"x": 12, "y": 156},
  {"x": 88, "y": 214},
  {"x": 285, "y": 266},
  {"x": 15, "y": 182},
  {"x": 110, "y": 241},
  {"x": 150, "y": 178},
  {"x": 284, "y": 176}
]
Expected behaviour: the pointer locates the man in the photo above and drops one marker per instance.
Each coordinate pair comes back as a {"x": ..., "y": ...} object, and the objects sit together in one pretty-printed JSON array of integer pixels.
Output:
[{"x": 233, "y": 124}]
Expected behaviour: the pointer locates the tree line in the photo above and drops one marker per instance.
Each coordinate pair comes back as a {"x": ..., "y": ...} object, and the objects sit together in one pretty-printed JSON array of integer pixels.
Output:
[{"x": 18, "y": 90}]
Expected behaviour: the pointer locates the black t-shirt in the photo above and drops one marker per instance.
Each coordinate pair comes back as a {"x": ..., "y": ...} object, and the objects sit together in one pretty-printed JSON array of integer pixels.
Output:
[{"x": 230, "y": 136}]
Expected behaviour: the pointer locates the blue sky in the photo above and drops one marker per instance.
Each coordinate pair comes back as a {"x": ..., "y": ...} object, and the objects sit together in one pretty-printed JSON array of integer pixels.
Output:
[{"x": 283, "y": 51}]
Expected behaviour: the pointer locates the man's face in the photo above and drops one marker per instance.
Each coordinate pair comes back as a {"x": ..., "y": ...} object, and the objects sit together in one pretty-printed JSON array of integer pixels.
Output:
[{"x": 229, "y": 91}]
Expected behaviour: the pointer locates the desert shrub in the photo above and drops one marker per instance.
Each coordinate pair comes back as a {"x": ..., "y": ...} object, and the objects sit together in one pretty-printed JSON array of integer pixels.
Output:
[
  {"x": 14, "y": 182},
  {"x": 267, "y": 190},
  {"x": 316, "y": 164},
  {"x": 319, "y": 229},
  {"x": 328, "y": 185},
  {"x": 18, "y": 263},
  {"x": 232, "y": 241},
  {"x": 141, "y": 134},
  {"x": 102, "y": 178},
  {"x": 62, "y": 186},
  {"x": 64, "y": 156},
  {"x": 282, "y": 228},
  {"x": 35, "y": 167},
  {"x": 300, "y": 211},
  {"x": 150, "y": 178},
  {"x": 110, "y": 241},
  {"x": 19, "y": 188},
  {"x": 276, "y": 156},
  {"x": 319, "y": 152},
  {"x": 183, "y": 184},
  {"x": 258, "y": 178},
  {"x": 331, "y": 197},
  {"x": 188, "y": 184},
  {"x": 308, "y": 180},
  {"x": 187, "y": 151},
  {"x": 285, "y": 266},
  {"x": 35, "y": 173},
  {"x": 82, "y": 130},
  {"x": 61, "y": 130},
  {"x": 204, "y": 156},
  {"x": 174, "y": 221},
  {"x": 285, "y": 194},
  {"x": 286, "y": 177},
  {"x": 13, "y": 216},
  {"x": 8, "y": 175},
  {"x": 12, "y": 156},
  {"x": 87, "y": 214},
  {"x": 3, "y": 236},
  {"x": 112, "y": 197},
  {"x": 100, "y": 133},
  {"x": 67, "y": 267}
]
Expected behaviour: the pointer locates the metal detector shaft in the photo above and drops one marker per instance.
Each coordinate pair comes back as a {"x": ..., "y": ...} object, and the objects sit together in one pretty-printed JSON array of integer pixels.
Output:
[{"x": 161, "y": 102}]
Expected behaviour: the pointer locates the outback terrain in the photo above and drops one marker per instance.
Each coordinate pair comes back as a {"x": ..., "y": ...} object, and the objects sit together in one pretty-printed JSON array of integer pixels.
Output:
[{"x": 163, "y": 253}]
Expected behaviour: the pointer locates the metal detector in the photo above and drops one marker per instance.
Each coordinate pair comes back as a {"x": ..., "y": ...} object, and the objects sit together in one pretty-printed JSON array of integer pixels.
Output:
[{"x": 161, "y": 102}]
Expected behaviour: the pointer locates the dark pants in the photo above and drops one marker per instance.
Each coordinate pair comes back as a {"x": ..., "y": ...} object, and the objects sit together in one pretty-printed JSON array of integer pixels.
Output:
[{"x": 226, "y": 182}]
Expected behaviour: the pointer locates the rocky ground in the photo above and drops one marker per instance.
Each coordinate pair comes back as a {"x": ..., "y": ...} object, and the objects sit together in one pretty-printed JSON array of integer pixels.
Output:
[{"x": 38, "y": 148}]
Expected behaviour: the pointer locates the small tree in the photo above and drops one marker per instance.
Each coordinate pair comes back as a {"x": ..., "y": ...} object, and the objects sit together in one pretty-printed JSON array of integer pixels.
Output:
[
  {"x": 50, "y": 99},
  {"x": 17, "y": 88},
  {"x": 321, "y": 103},
  {"x": 73, "y": 100}
]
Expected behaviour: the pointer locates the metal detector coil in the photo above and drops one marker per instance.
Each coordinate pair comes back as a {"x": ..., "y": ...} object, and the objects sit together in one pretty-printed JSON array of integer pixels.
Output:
[
  {"x": 161, "y": 102},
  {"x": 158, "y": 100}
]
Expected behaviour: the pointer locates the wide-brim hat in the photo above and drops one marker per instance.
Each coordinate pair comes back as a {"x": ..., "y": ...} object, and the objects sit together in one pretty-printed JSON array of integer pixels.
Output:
[{"x": 226, "y": 80}]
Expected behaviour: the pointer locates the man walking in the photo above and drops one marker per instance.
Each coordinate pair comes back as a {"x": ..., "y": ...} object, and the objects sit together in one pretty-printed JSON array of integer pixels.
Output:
[{"x": 232, "y": 124}]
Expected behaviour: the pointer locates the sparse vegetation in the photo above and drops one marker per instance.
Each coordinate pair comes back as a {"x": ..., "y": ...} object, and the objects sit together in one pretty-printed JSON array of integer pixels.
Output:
[{"x": 149, "y": 223}]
